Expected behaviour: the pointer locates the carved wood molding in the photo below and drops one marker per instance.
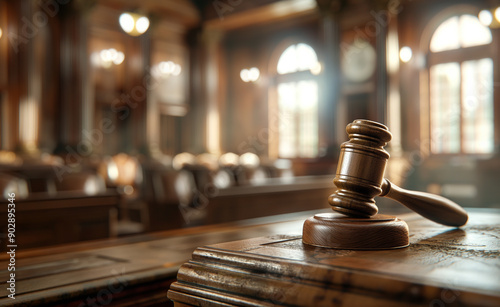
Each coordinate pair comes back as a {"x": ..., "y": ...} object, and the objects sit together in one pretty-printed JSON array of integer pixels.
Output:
[{"x": 274, "y": 270}]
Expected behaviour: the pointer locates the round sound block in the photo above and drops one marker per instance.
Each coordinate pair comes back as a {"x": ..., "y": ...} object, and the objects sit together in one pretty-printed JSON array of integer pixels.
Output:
[{"x": 335, "y": 230}]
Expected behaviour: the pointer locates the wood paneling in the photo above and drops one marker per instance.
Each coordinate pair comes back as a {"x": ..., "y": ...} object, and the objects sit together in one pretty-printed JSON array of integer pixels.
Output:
[{"x": 247, "y": 104}]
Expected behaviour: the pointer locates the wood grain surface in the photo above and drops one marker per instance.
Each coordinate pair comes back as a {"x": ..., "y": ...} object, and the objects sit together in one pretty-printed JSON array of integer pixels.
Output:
[
  {"x": 442, "y": 267},
  {"x": 135, "y": 271},
  {"x": 334, "y": 230}
]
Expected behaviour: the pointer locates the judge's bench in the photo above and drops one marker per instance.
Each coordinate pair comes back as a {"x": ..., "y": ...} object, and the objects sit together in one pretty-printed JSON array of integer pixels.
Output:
[{"x": 263, "y": 262}]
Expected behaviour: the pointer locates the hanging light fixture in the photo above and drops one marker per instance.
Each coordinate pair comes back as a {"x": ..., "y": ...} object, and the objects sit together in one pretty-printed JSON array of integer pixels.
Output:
[
  {"x": 490, "y": 17},
  {"x": 134, "y": 24},
  {"x": 405, "y": 54},
  {"x": 250, "y": 74},
  {"x": 107, "y": 57},
  {"x": 165, "y": 69},
  {"x": 1, "y": 33}
]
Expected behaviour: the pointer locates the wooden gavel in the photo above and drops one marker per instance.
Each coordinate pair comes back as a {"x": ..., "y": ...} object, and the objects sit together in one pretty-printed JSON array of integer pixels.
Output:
[{"x": 360, "y": 177}]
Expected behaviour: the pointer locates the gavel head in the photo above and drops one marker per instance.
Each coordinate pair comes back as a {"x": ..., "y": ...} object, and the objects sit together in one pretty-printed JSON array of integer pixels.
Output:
[{"x": 361, "y": 169}]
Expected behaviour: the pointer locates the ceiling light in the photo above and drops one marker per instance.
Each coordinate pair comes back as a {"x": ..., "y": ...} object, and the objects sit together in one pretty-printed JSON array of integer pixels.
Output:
[
  {"x": 106, "y": 57},
  {"x": 250, "y": 75},
  {"x": 405, "y": 54},
  {"x": 253, "y": 74},
  {"x": 142, "y": 24},
  {"x": 177, "y": 70},
  {"x": 244, "y": 75},
  {"x": 118, "y": 59},
  {"x": 127, "y": 22},
  {"x": 133, "y": 24},
  {"x": 165, "y": 69},
  {"x": 485, "y": 17},
  {"x": 316, "y": 69}
]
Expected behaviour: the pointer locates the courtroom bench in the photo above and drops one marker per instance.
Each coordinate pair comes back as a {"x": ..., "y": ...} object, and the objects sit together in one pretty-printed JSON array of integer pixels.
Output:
[
  {"x": 212, "y": 205},
  {"x": 275, "y": 196},
  {"x": 443, "y": 266},
  {"x": 40, "y": 177},
  {"x": 138, "y": 270},
  {"x": 64, "y": 217}
]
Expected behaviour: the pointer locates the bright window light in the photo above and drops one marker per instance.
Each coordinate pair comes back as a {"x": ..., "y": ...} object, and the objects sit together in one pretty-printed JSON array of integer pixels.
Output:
[
  {"x": 298, "y": 107},
  {"x": 460, "y": 31},
  {"x": 472, "y": 32},
  {"x": 297, "y": 57},
  {"x": 461, "y": 92}
]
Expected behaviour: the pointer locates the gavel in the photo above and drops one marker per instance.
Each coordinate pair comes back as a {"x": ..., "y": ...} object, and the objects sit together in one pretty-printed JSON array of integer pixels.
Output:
[{"x": 359, "y": 178}]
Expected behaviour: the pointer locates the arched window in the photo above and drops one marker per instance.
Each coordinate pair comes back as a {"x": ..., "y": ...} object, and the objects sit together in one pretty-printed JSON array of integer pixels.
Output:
[
  {"x": 461, "y": 87},
  {"x": 297, "y": 102}
]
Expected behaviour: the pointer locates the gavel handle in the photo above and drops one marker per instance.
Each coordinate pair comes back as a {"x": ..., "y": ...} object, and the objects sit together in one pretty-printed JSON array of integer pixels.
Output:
[{"x": 434, "y": 207}]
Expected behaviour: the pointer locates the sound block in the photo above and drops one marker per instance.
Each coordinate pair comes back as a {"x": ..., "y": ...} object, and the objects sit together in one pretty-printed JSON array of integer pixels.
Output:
[{"x": 338, "y": 231}]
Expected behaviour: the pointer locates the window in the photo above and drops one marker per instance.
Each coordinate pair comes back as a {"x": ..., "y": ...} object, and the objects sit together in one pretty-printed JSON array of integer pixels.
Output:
[
  {"x": 458, "y": 32},
  {"x": 297, "y": 102},
  {"x": 461, "y": 87}
]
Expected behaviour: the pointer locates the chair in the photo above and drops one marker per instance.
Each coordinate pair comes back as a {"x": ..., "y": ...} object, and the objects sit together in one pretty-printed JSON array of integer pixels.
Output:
[
  {"x": 125, "y": 174},
  {"x": 10, "y": 184}
]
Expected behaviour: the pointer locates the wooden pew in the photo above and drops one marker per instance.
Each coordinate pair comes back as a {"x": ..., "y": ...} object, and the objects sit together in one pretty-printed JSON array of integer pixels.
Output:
[
  {"x": 277, "y": 196},
  {"x": 170, "y": 207},
  {"x": 43, "y": 220}
]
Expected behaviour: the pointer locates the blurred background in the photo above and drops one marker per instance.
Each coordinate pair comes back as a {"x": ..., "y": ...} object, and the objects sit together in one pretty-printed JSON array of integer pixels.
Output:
[{"x": 125, "y": 117}]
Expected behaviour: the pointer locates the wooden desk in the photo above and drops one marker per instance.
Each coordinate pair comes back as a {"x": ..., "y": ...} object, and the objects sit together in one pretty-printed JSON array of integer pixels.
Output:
[
  {"x": 442, "y": 267},
  {"x": 130, "y": 271}
]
